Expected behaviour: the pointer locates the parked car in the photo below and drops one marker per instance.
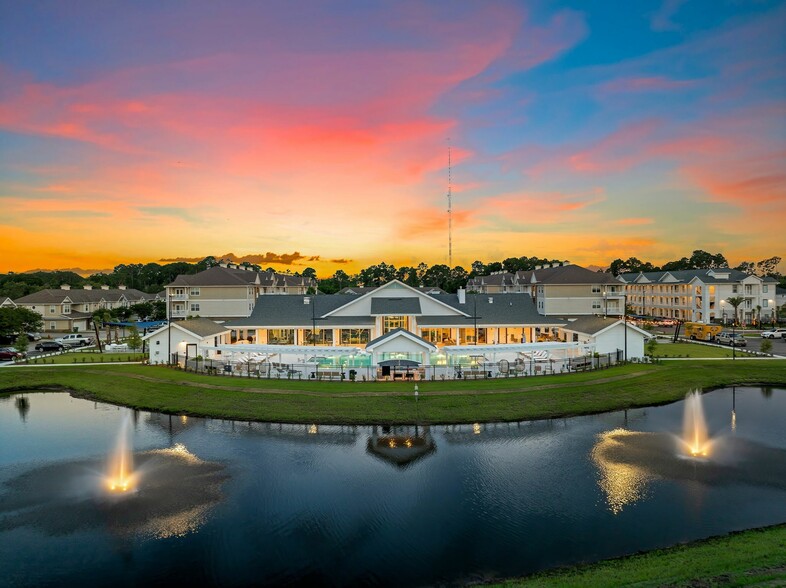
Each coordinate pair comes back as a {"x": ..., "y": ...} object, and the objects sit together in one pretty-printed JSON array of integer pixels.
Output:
[
  {"x": 74, "y": 340},
  {"x": 779, "y": 333},
  {"x": 8, "y": 354},
  {"x": 49, "y": 346},
  {"x": 33, "y": 336},
  {"x": 733, "y": 339}
]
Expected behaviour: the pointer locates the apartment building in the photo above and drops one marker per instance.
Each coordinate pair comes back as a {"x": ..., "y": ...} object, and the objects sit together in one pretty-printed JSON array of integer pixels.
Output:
[
  {"x": 71, "y": 309},
  {"x": 700, "y": 295},
  {"x": 228, "y": 291},
  {"x": 563, "y": 289}
]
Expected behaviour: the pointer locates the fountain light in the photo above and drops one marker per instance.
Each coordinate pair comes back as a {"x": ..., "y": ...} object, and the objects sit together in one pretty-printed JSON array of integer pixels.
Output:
[
  {"x": 121, "y": 477},
  {"x": 694, "y": 426}
]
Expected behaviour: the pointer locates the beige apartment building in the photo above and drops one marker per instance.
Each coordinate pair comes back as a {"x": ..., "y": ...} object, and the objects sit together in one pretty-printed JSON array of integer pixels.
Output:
[
  {"x": 71, "y": 309},
  {"x": 227, "y": 291},
  {"x": 559, "y": 289},
  {"x": 701, "y": 295}
]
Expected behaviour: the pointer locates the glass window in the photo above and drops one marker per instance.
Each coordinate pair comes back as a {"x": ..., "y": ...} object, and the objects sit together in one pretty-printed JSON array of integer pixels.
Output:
[
  {"x": 467, "y": 336},
  {"x": 764, "y": 288},
  {"x": 281, "y": 336},
  {"x": 194, "y": 307},
  {"x": 318, "y": 337},
  {"x": 438, "y": 336},
  {"x": 354, "y": 336},
  {"x": 596, "y": 289},
  {"x": 194, "y": 292},
  {"x": 390, "y": 323},
  {"x": 66, "y": 309}
]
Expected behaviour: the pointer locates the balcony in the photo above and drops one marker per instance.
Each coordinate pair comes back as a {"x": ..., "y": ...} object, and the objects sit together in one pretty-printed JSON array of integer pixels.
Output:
[
  {"x": 178, "y": 297},
  {"x": 178, "y": 313}
]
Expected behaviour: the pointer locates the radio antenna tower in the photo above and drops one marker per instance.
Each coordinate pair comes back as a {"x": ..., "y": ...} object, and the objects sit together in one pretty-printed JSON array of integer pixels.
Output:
[{"x": 450, "y": 212}]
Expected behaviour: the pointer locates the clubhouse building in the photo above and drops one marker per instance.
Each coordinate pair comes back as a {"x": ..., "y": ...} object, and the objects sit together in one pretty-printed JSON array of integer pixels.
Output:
[{"x": 397, "y": 330}]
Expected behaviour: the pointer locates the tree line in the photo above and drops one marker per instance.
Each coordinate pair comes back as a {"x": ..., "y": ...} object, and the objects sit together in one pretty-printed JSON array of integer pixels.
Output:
[
  {"x": 700, "y": 260},
  {"x": 153, "y": 277}
]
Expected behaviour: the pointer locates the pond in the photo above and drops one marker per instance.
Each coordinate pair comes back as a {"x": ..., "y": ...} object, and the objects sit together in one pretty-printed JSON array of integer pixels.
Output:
[{"x": 235, "y": 503}]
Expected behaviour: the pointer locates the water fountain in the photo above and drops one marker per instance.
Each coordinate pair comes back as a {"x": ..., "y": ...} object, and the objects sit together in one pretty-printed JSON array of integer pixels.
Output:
[
  {"x": 694, "y": 427},
  {"x": 121, "y": 476}
]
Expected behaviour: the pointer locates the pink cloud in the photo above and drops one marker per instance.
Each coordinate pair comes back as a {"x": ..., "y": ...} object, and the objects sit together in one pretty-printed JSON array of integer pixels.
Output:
[{"x": 537, "y": 208}]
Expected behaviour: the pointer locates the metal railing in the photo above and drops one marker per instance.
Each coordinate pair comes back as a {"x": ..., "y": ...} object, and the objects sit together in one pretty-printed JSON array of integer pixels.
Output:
[{"x": 312, "y": 372}]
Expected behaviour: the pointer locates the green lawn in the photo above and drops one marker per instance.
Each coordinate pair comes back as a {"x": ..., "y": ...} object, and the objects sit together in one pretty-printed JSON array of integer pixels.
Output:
[
  {"x": 173, "y": 391},
  {"x": 694, "y": 350},
  {"x": 751, "y": 558}
]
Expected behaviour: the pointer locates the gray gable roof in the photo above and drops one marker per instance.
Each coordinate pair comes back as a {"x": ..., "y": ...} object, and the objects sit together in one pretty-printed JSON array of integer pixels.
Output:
[
  {"x": 230, "y": 276},
  {"x": 395, "y": 333},
  {"x": 395, "y": 306},
  {"x": 202, "y": 327},
  {"x": 495, "y": 279},
  {"x": 566, "y": 274},
  {"x": 217, "y": 276},
  {"x": 589, "y": 325},
  {"x": 685, "y": 276},
  {"x": 82, "y": 296},
  {"x": 498, "y": 309},
  {"x": 291, "y": 310}
]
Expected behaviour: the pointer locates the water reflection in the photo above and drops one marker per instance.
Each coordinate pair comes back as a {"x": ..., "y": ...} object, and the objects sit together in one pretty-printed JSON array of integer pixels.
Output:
[
  {"x": 622, "y": 483},
  {"x": 173, "y": 497},
  {"x": 23, "y": 406},
  {"x": 628, "y": 462},
  {"x": 401, "y": 446},
  {"x": 338, "y": 505}
]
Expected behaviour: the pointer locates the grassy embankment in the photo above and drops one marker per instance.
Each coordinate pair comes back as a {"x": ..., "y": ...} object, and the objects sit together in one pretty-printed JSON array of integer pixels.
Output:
[
  {"x": 173, "y": 391},
  {"x": 86, "y": 357},
  {"x": 751, "y": 558},
  {"x": 695, "y": 350}
]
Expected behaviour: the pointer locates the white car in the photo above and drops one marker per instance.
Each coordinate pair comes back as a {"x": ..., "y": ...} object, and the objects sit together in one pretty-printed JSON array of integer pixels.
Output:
[
  {"x": 774, "y": 334},
  {"x": 74, "y": 340}
]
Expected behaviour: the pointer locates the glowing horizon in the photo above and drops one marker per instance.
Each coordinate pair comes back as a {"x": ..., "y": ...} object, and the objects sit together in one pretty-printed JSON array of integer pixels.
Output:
[{"x": 317, "y": 135}]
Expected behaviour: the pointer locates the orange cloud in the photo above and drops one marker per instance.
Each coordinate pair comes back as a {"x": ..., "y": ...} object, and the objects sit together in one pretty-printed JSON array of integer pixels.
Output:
[{"x": 633, "y": 222}]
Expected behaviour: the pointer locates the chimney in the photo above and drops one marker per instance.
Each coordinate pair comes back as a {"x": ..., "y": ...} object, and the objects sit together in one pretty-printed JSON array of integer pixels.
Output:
[
  {"x": 462, "y": 295},
  {"x": 537, "y": 267},
  {"x": 491, "y": 300},
  {"x": 121, "y": 287},
  {"x": 105, "y": 287},
  {"x": 306, "y": 300},
  {"x": 65, "y": 287},
  {"x": 88, "y": 287}
]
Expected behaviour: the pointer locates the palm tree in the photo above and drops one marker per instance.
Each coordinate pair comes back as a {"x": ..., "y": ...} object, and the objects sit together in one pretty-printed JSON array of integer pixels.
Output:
[{"x": 735, "y": 302}]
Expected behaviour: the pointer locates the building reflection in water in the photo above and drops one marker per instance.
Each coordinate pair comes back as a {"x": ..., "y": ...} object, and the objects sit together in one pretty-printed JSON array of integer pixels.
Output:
[
  {"x": 622, "y": 483},
  {"x": 401, "y": 446},
  {"x": 23, "y": 406}
]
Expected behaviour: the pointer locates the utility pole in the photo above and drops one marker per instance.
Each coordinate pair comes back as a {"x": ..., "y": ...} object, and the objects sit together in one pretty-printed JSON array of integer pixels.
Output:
[{"x": 450, "y": 211}]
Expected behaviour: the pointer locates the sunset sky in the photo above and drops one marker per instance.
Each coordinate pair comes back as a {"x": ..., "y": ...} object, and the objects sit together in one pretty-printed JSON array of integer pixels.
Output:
[{"x": 312, "y": 133}]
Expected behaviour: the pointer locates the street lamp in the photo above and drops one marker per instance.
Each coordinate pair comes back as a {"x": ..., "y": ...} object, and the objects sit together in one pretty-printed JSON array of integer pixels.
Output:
[
  {"x": 733, "y": 339},
  {"x": 772, "y": 312},
  {"x": 723, "y": 311},
  {"x": 625, "y": 323}
]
